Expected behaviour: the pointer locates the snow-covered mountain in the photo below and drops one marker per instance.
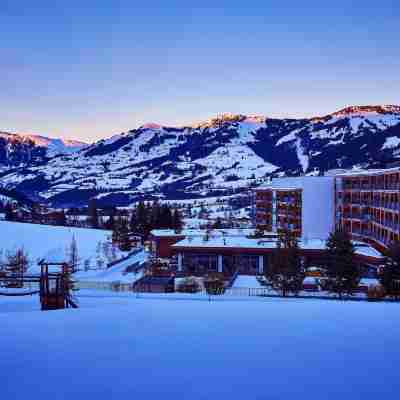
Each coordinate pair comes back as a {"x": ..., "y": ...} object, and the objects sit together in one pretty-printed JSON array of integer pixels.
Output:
[
  {"x": 218, "y": 156},
  {"x": 25, "y": 149}
]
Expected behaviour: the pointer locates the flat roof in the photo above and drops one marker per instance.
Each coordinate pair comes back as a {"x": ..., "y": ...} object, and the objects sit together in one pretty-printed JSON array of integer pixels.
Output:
[
  {"x": 275, "y": 187},
  {"x": 201, "y": 232},
  {"x": 361, "y": 248},
  {"x": 368, "y": 172}
]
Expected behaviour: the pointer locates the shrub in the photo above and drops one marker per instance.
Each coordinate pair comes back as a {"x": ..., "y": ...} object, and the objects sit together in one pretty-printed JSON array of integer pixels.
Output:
[
  {"x": 214, "y": 285},
  {"x": 189, "y": 285},
  {"x": 376, "y": 292}
]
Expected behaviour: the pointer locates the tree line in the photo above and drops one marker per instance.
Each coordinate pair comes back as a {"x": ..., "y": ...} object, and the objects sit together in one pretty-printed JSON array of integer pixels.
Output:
[{"x": 140, "y": 221}]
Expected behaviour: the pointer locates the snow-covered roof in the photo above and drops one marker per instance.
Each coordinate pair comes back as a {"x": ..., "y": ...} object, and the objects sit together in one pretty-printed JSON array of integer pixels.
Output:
[
  {"x": 277, "y": 187},
  {"x": 201, "y": 232},
  {"x": 293, "y": 183},
  {"x": 367, "y": 172},
  {"x": 244, "y": 242},
  {"x": 362, "y": 249}
]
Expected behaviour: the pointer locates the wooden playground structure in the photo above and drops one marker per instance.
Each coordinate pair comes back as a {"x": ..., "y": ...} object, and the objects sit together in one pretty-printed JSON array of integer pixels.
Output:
[{"x": 53, "y": 285}]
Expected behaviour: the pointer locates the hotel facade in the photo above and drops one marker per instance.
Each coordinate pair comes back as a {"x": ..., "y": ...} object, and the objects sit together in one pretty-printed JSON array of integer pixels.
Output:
[{"x": 368, "y": 206}]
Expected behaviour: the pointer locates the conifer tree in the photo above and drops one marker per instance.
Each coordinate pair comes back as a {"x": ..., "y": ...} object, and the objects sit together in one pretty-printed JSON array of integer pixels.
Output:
[
  {"x": 93, "y": 214},
  {"x": 343, "y": 272},
  {"x": 155, "y": 215},
  {"x": 9, "y": 212},
  {"x": 109, "y": 224},
  {"x": 177, "y": 221},
  {"x": 390, "y": 276},
  {"x": 125, "y": 242},
  {"x": 286, "y": 273},
  {"x": 61, "y": 219},
  {"x": 141, "y": 218},
  {"x": 166, "y": 217},
  {"x": 218, "y": 223},
  {"x": 133, "y": 224}
]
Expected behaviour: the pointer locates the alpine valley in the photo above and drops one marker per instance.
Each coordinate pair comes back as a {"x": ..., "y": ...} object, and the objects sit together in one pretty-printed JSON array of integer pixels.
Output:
[{"x": 224, "y": 155}]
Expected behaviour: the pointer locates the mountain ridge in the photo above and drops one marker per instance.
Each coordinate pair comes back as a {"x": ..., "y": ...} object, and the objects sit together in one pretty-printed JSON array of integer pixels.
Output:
[{"x": 222, "y": 156}]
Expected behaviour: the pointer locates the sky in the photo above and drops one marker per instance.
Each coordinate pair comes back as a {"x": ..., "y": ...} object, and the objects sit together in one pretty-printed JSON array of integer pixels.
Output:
[{"x": 90, "y": 69}]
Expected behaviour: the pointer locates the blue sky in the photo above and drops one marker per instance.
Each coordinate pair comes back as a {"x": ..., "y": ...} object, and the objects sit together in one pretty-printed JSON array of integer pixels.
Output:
[{"x": 90, "y": 69}]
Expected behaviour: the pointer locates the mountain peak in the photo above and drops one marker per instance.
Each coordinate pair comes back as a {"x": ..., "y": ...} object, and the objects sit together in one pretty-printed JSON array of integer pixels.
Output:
[
  {"x": 359, "y": 110},
  {"x": 151, "y": 125},
  {"x": 53, "y": 145},
  {"x": 224, "y": 118}
]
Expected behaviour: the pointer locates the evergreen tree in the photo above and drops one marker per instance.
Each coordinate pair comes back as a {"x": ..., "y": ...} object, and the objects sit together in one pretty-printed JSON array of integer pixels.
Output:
[
  {"x": 116, "y": 237},
  {"x": 155, "y": 215},
  {"x": 141, "y": 218},
  {"x": 111, "y": 219},
  {"x": 343, "y": 272},
  {"x": 61, "y": 219},
  {"x": 166, "y": 217},
  {"x": 218, "y": 223},
  {"x": 133, "y": 223},
  {"x": 9, "y": 212},
  {"x": 93, "y": 214},
  {"x": 286, "y": 273},
  {"x": 36, "y": 214},
  {"x": 177, "y": 221},
  {"x": 390, "y": 276},
  {"x": 125, "y": 242}
]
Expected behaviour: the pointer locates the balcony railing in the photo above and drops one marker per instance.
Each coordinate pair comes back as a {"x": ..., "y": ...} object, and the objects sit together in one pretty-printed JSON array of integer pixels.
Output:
[{"x": 372, "y": 187}]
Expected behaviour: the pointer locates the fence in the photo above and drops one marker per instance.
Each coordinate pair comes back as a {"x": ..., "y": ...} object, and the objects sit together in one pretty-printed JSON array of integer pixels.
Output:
[
  {"x": 259, "y": 292},
  {"x": 112, "y": 286}
]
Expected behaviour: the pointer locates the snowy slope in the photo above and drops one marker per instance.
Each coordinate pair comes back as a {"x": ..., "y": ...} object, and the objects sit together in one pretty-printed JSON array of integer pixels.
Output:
[
  {"x": 148, "y": 348},
  {"x": 219, "y": 156},
  {"x": 51, "y": 242},
  {"x": 116, "y": 273}
]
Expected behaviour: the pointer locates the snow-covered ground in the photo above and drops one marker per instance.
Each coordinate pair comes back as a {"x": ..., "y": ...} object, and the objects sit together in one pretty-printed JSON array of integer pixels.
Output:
[
  {"x": 53, "y": 242},
  {"x": 121, "y": 346},
  {"x": 117, "y": 272},
  {"x": 246, "y": 281}
]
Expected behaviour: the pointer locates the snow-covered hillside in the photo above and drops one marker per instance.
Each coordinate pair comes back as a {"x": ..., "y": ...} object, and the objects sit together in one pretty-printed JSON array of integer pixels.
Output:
[
  {"x": 216, "y": 157},
  {"x": 53, "y": 243}
]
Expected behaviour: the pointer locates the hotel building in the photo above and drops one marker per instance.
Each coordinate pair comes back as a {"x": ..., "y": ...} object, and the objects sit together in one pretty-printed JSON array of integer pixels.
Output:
[
  {"x": 304, "y": 205},
  {"x": 368, "y": 205}
]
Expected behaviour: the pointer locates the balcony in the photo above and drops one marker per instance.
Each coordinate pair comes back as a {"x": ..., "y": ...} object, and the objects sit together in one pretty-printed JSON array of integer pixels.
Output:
[{"x": 371, "y": 187}]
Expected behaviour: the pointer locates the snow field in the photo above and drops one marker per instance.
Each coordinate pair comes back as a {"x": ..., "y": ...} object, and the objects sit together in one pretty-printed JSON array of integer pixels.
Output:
[
  {"x": 119, "y": 347},
  {"x": 51, "y": 242}
]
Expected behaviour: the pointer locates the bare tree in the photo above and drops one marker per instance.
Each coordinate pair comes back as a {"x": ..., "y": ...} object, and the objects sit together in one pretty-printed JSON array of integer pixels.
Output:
[
  {"x": 17, "y": 263},
  {"x": 73, "y": 255}
]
